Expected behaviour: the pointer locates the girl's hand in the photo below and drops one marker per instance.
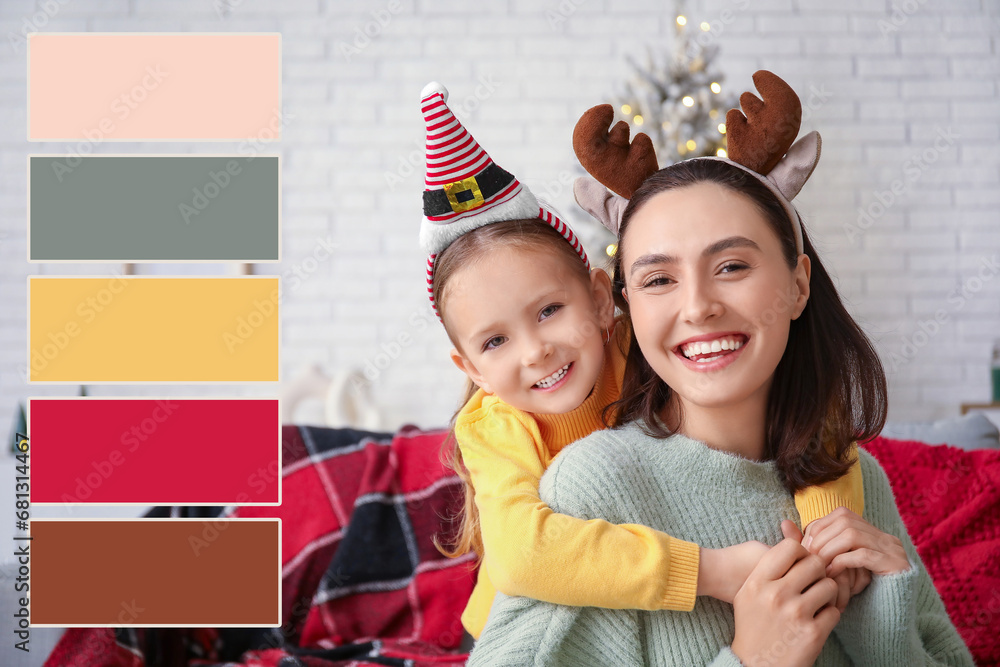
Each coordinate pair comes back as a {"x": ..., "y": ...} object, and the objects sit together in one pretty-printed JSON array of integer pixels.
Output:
[
  {"x": 722, "y": 572},
  {"x": 845, "y": 540},
  {"x": 785, "y": 608}
]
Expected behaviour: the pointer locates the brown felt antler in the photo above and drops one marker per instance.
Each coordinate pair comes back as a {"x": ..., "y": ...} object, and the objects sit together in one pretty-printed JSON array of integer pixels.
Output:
[
  {"x": 608, "y": 156},
  {"x": 759, "y": 139}
]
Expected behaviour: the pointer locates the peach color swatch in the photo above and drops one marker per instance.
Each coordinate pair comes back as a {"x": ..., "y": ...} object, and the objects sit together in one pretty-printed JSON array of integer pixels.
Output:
[{"x": 149, "y": 86}]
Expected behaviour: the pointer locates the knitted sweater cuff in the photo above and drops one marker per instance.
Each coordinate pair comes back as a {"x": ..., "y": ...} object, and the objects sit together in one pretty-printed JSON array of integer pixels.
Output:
[
  {"x": 726, "y": 658},
  {"x": 819, "y": 505},
  {"x": 682, "y": 581}
]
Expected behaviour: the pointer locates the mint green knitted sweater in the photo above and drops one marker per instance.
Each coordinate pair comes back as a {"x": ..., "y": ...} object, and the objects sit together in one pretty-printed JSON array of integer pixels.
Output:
[{"x": 716, "y": 499}]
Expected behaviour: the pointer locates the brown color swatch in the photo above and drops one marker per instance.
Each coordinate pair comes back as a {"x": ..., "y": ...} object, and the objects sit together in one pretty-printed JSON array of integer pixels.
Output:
[{"x": 154, "y": 572}]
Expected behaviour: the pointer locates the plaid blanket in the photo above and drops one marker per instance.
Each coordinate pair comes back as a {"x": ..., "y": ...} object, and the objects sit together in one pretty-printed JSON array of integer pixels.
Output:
[{"x": 362, "y": 583}]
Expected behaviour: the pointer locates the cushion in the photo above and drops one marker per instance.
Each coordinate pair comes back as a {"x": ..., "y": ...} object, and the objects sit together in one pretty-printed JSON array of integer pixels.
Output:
[{"x": 972, "y": 431}]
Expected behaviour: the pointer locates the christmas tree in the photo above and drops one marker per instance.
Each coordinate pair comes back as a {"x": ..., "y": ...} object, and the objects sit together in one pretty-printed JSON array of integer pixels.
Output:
[{"x": 677, "y": 98}]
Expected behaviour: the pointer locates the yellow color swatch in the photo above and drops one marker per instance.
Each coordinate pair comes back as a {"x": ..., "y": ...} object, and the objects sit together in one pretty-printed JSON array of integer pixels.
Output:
[{"x": 153, "y": 329}]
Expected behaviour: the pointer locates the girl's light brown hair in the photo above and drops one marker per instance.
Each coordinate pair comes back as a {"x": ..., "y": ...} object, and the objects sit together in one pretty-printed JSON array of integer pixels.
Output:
[{"x": 528, "y": 235}]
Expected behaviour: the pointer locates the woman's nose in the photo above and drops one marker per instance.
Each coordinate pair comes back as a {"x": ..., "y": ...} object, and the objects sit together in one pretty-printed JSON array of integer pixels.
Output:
[{"x": 700, "y": 302}]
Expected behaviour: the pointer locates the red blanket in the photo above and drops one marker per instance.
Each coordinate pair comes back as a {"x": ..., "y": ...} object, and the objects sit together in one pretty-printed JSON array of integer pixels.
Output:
[
  {"x": 363, "y": 585},
  {"x": 949, "y": 500}
]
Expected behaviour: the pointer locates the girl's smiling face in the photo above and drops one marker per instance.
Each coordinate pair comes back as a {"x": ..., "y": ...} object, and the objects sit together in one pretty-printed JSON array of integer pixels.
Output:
[
  {"x": 710, "y": 293},
  {"x": 529, "y": 328}
]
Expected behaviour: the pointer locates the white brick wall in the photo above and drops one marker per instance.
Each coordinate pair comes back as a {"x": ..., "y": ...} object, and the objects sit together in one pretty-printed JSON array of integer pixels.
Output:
[{"x": 898, "y": 73}]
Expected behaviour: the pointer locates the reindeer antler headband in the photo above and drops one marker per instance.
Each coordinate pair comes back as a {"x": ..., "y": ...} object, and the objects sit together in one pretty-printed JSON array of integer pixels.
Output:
[{"x": 761, "y": 141}]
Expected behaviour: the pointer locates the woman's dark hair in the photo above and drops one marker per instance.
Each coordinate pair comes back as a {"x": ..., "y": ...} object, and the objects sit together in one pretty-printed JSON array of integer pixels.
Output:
[{"x": 829, "y": 388}]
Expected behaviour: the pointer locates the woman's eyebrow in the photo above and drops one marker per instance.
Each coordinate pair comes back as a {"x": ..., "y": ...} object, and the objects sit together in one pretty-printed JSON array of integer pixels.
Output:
[
  {"x": 717, "y": 247},
  {"x": 728, "y": 243}
]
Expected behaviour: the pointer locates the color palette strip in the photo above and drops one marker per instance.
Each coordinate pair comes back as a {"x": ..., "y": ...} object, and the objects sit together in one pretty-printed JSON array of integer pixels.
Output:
[
  {"x": 155, "y": 572},
  {"x": 168, "y": 451},
  {"x": 151, "y": 329},
  {"x": 153, "y": 208},
  {"x": 146, "y": 86}
]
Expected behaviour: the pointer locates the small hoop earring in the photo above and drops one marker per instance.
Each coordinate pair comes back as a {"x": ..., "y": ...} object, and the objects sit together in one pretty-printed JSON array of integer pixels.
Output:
[{"x": 607, "y": 335}]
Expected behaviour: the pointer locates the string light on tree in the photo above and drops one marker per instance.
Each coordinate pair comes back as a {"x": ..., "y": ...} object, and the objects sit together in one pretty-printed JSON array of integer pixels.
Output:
[
  {"x": 678, "y": 99},
  {"x": 677, "y": 96}
]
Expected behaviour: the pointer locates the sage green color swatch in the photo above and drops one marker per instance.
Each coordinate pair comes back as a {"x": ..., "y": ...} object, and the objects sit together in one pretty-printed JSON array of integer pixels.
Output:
[{"x": 154, "y": 208}]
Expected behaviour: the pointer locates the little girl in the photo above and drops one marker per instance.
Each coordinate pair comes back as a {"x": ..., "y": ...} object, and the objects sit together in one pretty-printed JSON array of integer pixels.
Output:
[{"x": 534, "y": 329}]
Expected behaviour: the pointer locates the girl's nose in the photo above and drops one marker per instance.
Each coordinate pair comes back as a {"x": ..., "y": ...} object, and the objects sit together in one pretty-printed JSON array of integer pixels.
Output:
[{"x": 536, "y": 350}]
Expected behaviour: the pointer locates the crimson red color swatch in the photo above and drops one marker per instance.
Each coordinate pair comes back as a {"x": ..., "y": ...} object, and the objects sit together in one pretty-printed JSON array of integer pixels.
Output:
[{"x": 154, "y": 451}]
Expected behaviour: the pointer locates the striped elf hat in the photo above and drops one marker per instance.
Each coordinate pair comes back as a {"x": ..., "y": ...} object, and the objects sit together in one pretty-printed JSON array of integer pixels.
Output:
[{"x": 465, "y": 189}]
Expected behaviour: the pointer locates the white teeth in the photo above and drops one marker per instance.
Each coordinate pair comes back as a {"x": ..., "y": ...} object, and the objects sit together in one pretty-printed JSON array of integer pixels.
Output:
[
  {"x": 552, "y": 379},
  {"x": 710, "y": 347}
]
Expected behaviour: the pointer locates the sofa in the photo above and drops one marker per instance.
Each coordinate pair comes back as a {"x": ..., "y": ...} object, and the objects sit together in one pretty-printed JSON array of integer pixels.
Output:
[{"x": 363, "y": 584}]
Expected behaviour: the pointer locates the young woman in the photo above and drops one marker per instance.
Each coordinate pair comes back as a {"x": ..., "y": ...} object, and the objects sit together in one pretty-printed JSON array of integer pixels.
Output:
[{"x": 742, "y": 360}]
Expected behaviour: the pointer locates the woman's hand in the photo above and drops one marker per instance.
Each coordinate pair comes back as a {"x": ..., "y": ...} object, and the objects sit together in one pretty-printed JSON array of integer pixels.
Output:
[
  {"x": 850, "y": 582},
  {"x": 845, "y": 540},
  {"x": 785, "y": 611}
]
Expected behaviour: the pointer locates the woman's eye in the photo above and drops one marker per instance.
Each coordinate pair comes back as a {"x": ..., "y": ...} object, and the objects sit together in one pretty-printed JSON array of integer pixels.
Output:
[
  {"x": 733, "y": 267},
  {"x": 549, "y": 311},
  {"x": 494, "y": 343},
  {"x": 657, "y": 281}
]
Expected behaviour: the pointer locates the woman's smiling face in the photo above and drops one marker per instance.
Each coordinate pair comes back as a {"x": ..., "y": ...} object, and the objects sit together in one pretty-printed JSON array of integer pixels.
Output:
[{"x": 710, "y": 293}]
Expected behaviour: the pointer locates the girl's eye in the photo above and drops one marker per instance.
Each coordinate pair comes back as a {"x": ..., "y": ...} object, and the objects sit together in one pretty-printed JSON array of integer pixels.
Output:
[
  {"x": 494, "y": 343},
  {"x": 549, "y": 311}
]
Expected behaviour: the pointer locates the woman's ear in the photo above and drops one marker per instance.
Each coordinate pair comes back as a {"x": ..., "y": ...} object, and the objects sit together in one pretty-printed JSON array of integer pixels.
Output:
[
  {"x": 625, "y": 295},
  {"x": 466, "y": 366},
  {"x": 803, "y": 270},
  {"x": 600, "y": 289}
]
